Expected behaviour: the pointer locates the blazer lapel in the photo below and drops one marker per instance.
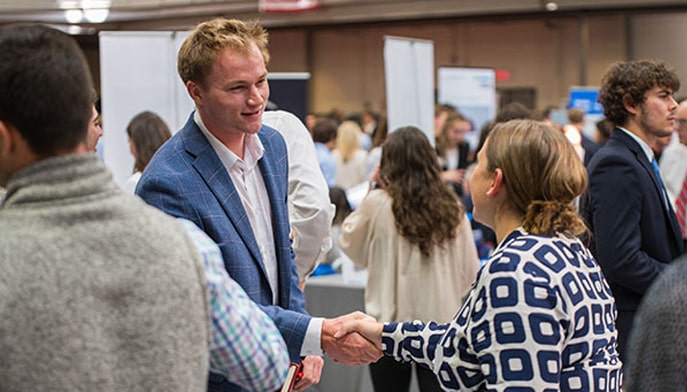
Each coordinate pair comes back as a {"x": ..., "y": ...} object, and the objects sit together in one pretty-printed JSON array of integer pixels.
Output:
[
  {"x": 644, "y": 161},
  {"x": 211, "y": 169}
]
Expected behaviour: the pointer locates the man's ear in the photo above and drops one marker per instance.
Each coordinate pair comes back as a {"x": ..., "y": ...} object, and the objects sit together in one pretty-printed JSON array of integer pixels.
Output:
[
  {"x": 630, "y": 106},
  {"x": 194, "y": 91},
  {"x": 15, "y": 152},
  {"x": 5, "y": 139},
  {"x": 496, "y": 185},
  {"x": 13, "y": 144}
]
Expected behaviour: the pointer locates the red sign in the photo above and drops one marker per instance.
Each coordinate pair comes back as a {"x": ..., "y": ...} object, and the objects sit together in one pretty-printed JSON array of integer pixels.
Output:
[
  {"x": 287, "y": 5},
  {"x": 502, "y": 75}
]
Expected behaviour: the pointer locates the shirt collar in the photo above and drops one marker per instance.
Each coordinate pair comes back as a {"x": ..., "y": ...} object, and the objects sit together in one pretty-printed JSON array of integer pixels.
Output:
[
  {"x": 645, "y": 147},
  {"x": 253, "y": 148}
]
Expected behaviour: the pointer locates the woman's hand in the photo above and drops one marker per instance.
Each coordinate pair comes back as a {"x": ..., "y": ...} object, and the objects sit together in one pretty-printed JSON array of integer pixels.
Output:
[
  {"x": 375, "y": 180},
  {"x": 368, "y": 328}
]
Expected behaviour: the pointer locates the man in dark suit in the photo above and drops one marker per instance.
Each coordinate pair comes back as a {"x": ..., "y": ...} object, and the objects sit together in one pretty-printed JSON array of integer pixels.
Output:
[
  {"x": 634, "y": 230},
  {"x": 228, "y": 173}
]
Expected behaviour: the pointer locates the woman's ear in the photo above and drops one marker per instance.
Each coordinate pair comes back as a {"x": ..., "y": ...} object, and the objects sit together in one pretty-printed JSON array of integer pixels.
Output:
[{"x": 496, "y": 185}]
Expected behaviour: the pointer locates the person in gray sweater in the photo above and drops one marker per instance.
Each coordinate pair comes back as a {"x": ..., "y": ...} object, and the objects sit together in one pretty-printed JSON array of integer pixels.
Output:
[
  {"x": 657, "y": 344},
  {"x": 98, "y": 292}
]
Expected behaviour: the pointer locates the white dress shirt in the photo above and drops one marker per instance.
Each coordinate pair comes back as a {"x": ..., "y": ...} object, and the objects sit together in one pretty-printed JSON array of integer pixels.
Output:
[
  {"x": 131, "y": 182},
  {"x": 674, "y": 169},
  {"x": 248, "y": 181},
  {"x": 247, "y": 178}
]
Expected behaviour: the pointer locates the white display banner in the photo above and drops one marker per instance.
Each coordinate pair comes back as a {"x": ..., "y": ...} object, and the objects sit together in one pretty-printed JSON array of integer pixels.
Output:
[
  {"x": 138, "y": 73},
  {"x": 409, "y": 77}
]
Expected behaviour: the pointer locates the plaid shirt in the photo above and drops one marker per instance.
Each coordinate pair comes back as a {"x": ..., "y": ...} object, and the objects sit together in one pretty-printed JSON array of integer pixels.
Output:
[{"x": 246, "y": 346}]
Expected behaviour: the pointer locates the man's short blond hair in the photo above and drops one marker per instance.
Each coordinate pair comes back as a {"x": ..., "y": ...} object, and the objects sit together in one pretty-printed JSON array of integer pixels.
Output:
[{"x": 199, "y": 51}]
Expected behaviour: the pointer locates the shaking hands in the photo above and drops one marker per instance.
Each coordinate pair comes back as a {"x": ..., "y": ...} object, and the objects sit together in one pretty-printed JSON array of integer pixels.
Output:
[{"x": 352, "y": 339}]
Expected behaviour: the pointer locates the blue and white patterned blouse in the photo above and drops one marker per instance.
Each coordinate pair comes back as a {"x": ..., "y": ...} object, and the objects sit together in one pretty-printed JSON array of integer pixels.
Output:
[{"x": 540, "y": 317}]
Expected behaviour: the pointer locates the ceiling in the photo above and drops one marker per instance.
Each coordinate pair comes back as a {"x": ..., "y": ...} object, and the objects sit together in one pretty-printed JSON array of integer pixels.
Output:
[{"x": 183, "y": 14}]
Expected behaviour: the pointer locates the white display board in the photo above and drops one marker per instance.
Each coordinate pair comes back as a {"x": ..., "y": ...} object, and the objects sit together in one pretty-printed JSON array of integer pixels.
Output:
[
  {"x": 409, "y": 76},
  {"x": 138, "y": 73},
  {"x": 472, "y": 91}
]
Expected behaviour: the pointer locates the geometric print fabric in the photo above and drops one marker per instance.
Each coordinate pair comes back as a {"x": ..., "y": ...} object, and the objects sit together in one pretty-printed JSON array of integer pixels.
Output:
[{"x": 540, "y": 317}]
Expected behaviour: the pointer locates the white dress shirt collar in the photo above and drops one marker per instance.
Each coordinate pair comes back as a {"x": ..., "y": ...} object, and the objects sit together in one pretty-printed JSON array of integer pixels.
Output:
[
  {"x": 645, "y": 147},
  {"x": 253, "y": 149}
]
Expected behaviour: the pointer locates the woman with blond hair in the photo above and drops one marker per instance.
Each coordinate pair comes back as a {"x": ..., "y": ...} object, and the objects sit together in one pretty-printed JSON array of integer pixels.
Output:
[
  {"x": 414, "y": 238},
  {"x": 540, "y": 315},
  {"x": 349, "y": 157},
  {"x": 454, "y": 151}
]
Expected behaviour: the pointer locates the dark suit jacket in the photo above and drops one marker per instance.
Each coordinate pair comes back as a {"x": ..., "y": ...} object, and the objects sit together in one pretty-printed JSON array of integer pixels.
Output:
[
  {"x": 186, "y": 179},
  {"x": 634, "y": 236},
  {"x": 590, "y": 148}
]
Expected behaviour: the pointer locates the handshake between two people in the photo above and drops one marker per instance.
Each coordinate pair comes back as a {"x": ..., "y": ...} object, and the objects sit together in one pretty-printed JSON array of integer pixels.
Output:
[{"x": 352, "y": 339}]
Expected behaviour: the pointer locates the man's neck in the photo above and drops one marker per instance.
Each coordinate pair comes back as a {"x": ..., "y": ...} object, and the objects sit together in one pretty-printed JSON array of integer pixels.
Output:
[
  {"x": 636, "y": 129},
  {"x": 235, "y": 142},
  {"x": 27, "y": 157},
  {"x": 646, "y": 147}
]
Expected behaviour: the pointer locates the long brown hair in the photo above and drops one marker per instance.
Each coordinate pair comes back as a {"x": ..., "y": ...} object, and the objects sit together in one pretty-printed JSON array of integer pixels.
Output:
[
  {"x": 147, "y": 131},
  {"x": 426, "y": 212}
]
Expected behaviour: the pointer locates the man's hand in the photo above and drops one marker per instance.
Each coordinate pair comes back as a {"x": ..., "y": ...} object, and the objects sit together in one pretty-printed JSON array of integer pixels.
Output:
[
  {"x": 369, "y": 329},
  {"x": 312, "y": 370},
  {"x": 350, "y": 349}
]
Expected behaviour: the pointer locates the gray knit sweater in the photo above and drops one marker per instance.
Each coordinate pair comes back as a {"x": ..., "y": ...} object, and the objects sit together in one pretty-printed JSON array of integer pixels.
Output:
[
  {"x": 98, "y": 291},
  {"x": 657, "y": 350}
]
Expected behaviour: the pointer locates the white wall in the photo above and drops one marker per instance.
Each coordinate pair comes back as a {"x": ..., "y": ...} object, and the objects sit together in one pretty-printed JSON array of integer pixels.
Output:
[
  {"x": 662, "y": 36},
  {"x": 138, "y": 72}
]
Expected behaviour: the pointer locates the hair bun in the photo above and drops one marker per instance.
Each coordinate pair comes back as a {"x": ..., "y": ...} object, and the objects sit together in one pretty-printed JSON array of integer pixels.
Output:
[{"x": 550, "y": 217}]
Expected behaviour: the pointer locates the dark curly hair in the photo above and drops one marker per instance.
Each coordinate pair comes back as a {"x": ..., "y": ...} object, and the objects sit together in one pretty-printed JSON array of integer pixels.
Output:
[
  {"x": 426, "y": 212},
  {"x": 631, "y": 80}
]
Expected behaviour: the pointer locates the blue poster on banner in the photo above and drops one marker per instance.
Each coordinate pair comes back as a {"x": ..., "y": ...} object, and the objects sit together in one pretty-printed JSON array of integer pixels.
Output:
[{"x": 585, "y": 98}]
